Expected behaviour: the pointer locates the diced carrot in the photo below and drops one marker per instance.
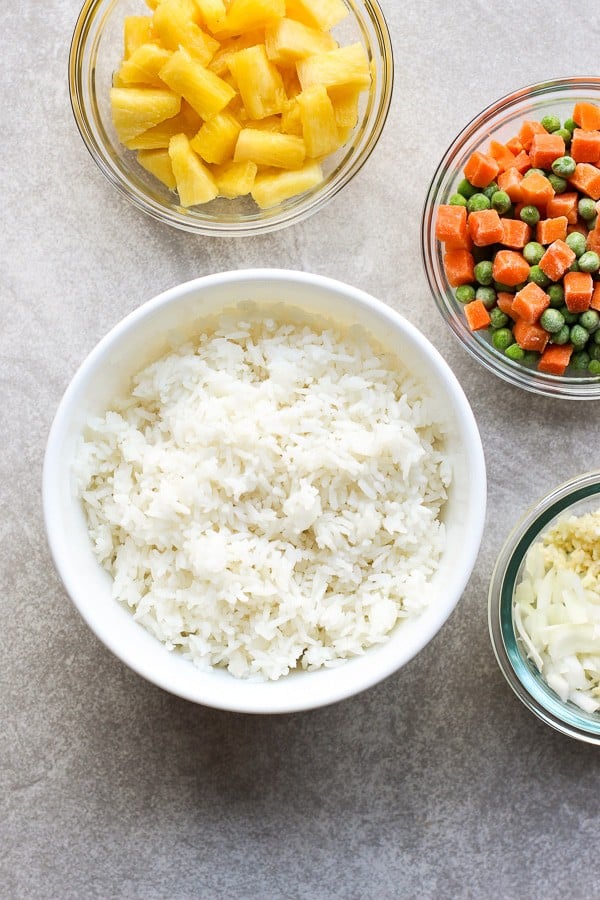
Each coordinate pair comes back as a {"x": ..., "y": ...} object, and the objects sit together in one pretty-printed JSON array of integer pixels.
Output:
[
  {"x": 545, "y": 148},
  {"x": 595, "y": 302},
  {"x": 515, "y": 146},
  {"x": 510, "y": 183},
  {"x": 510, "y": 268},
  {"x": 481, "y": 169},
  {"x": 477, "y": 315},
  {"x": 530, "y": 303},
  {"x": 556, "y": 260},
  {"x": 522, "y": 162},
  {"x": 517, "y": 210},
  {"x": 505, "y": 303},
  {"x": 555, "y": 359},
  {"x": 585, "y": 146},
  {"x": 549, "y": 230},
  {"x": 579, "y": 227},
  {"x": 586, "y": 178},
  {"x": 578, "y": 291},
  {"x": 530, "y": 337},
  {"x": 503, "y": 156},
  {"x": 458, "y": 266},
  {"x": 515, "y": 233},
  {"x": 593, "y": 240},
  {"x": 451, "y": 227},
  {"x": 563, "y": 205},
  {"x": 485, "y": 227},
  {"x": 528, "y": 129},
  {"x": 587, "y": 116},
  {"x": 536, "y": 190}
]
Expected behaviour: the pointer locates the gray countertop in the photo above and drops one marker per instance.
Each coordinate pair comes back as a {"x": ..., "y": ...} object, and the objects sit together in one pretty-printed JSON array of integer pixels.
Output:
[{"x": 435, "y": 784}]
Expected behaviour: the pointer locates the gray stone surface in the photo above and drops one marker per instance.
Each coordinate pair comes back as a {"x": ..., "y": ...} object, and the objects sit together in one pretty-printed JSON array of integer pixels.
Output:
[{"x": 436, "y": 783}]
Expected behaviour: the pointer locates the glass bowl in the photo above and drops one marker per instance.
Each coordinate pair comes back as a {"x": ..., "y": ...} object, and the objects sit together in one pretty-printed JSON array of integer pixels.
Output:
[
  {"x": 500, "y": 121},
  {"x": 95, "y": 54},
  {"x": 578, "y": 496}
]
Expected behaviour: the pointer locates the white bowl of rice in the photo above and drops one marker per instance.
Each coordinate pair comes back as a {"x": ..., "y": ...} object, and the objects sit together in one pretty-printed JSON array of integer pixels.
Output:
[{"x": 264, "y": 491}]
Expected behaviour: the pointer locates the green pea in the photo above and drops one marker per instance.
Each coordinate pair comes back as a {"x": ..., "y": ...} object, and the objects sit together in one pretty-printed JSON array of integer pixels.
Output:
[
  {"x": 596, "y": 337},
  {"x": 590, "y": 320},
  {"x": 500, "y": 202},
  {"x": 570, "y": 125},
  {"x": 579, "y": 336},
  {"x": 586, "y": 208},
  {"x": 565, "y": 135},
  {"x": 466, "y": 189},
  {"x": 530, "y": 357},
  {"x": 534, "y": 171},
  {"x": 457, "y": 200},
  {"x": 465, "y": 293},
  {"x": 559, "y": 184},
  {"x": 569, "y": 317},
  {"x": 478, "y": 202},
  {"x": 592, "y": 223},
  {"x": 538, "y": 276},
  {"x": 574, "y": 267},
  {"x": 498, "y": 319},
  {"x": 564, "y": 166},
  {"x": 594, "y": 367},
  {"x": 557, "y": 295},
  {"x": 487, "y": 295},
  {"x": 562, "y": 336},
  {"x": 490, "y": 190},
  {"x": 576, "y": 242},
  {"x": 589, "y": 261},
  {"x": 551, "y": 123},
  {"x": 533, "y": 252},
  {"x": 530, "y": 215},
  {"x": 594, "y": 351},
  {"x": 514, "y": 352},
  {"x": 483, "y": 272},
  {"x": 552, "y": 320},
  {"x": 580, "y": 360},
  {"x": 502, "y": 338}
]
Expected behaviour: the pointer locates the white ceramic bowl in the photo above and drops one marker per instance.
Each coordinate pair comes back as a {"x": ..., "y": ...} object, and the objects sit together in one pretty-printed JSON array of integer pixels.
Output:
[{"x": 138, "y": 339}]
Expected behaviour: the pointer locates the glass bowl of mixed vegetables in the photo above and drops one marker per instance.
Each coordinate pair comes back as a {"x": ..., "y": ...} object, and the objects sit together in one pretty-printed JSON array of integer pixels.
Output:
[
  {"x": 511, "y": 238},
  {"x": 544, "y": 608}
]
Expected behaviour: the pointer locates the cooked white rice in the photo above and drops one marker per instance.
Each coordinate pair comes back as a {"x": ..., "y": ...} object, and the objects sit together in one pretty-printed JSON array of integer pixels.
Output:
[{"x": 268, "y": 498}]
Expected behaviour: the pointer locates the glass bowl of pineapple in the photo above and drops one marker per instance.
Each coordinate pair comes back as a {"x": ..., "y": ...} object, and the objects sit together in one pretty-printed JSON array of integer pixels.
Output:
[{"x": 225, "y": 117}]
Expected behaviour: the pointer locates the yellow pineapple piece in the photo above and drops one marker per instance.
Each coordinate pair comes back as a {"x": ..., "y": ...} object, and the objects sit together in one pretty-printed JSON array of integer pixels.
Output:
[
  {"x": 144, "y": 64},
  {"x": 173, "y": 24},
  {"x": 235, "y": 179},
  {"x": 245, "y": 15},
  {"x": 152, "y": 3},
  {"x": 135, "y": 110},
  {"x": 259, "y": 82},
  {"x": 291, "y": 120},
  {"x": 158, "y": 163},
  {"x": 319, "y": 128},
  {"x": 322, "y": 14},
  {"x": 195, "y": 183},
  {"x": 204, "y": 91},
  {"x": 216, "y": 140},
  {"x": 219, "y": 64},
  {"x": 344, "y": 134},
  {"x": 265, "y": 148},
  {"x": 288, "y": 41},
  {"x": 343, "y": 66},
  {"x": 137, "y": 30},
  {"x": 291, "y": 83},
  {"x": 213, "y": 13},
  {"x": 345, "y": 101},
  {"x": 271, "y": 123},
  {"x": 187, "y": 122},
  {"x": 271, "y": 188}
]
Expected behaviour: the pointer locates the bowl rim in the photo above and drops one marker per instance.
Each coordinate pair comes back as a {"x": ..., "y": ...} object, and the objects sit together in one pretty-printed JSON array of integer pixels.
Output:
[
  {"x": 306, "y": 204},
  {"x": 531, "y": 691},
  {"x": 363, "y": 674},
  {"x": 558, "y": 386}
]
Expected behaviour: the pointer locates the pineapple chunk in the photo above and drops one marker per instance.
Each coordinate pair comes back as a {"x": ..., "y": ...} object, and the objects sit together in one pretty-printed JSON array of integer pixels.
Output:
[
  {"x": 344, "y": 66},
  {"x": 173, "y": 24},
  {"x": 322, "y": 14},
  {"x": 135, "y": 110},
  {"x": 187, "y": 121},
  {"x": 158, "y": 163},
  {"x": 345, "y": 105},
  {"x": 137, "y": 30},
  {"x": 259, "y": 82},
  {"x": 204, "y": 91},
  {"x": 212, "y": 13},
  {"x": 244, "y": 15},
  {"x": 271, "y": 123},
  {"x": 235, "y": 179},
  {"x": 220, "y": 61},
  {"x": 291, "y": 120},
  {"x": 319, "y": 128},
  {"x": 195, "y": 183},
  {"x": 271, "y": 188},
  {"x": 265, "y": 148},
  {"x": 143, "y": 65},
  {"x": 216, "y": 140},
  {"x": 288, "y": 41}
]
